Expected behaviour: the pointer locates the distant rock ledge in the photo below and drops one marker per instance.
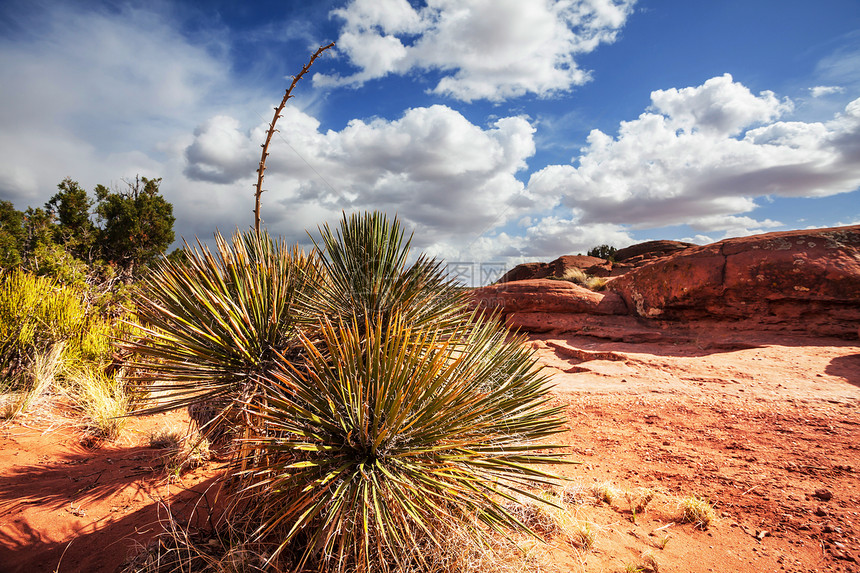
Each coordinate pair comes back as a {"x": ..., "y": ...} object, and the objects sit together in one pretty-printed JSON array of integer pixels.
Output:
[
  {"x": 802, "y": 282},
  {"x": 626, "y": 260}
]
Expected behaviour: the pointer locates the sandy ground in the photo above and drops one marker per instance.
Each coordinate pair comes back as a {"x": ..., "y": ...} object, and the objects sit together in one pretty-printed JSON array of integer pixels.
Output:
[
  {"x": 765, "y": 427},
  {"x": 70, "y": 506}
]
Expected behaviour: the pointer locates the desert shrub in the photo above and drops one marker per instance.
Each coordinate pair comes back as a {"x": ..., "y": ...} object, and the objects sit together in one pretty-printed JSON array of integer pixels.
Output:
[
  {"x": 51, "y": 338},
  {"x": 603, "y": 252},
  {"x": 374, "y": 415},
  {"x": 389, "y": 437},
  {"x": 217, "y": 322},
  {"x": 37, "y": 313}
]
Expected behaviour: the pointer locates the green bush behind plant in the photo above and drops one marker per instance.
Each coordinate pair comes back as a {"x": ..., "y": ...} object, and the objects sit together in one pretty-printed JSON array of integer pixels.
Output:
[
  {"x": 38, "y": 312},
  {"x": 42, "y": 319}
]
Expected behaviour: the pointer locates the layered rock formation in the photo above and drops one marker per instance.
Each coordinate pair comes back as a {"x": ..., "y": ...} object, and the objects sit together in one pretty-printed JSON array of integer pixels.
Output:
[
  {"x": 796, "y": 281},
  {"x": 635, "y": 256},
  {"x": 626, "y": 260},
  {"x": 557, "y": 268}
]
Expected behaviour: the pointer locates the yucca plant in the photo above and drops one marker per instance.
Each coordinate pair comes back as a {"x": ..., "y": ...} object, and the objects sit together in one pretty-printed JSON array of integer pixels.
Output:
[
  {"x": 389, "y": 438},
  {"x": 373, "y": 414},
  {"x": 214, "y": 323},
  {"x": 368, "y": 276}
]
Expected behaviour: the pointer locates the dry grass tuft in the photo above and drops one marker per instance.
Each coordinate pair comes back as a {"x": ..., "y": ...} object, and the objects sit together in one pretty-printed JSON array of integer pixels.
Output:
[
  {"x": 596, "y": 283},
  {"x": 639, "y": 500},
  {"x": 37, "y": 379},
  {"x": 697, "y": 511},
  {"x": 166, "y": 438},
  {"x": 579, "y": 277},
  {"x": 605, "y": 492},
  {"x": 183, "y": 451},
  {"x": 580, "y": 534},
  {"x": 576, "y": 494},
  {"x": 539, "y": 518},
  {"x": 575, "y": 275},
  {"x": 103, "y": 400}
]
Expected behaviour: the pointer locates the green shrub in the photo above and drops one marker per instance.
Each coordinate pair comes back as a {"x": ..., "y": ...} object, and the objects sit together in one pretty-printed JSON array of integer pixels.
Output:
[
  {"x": 53, "y": 261},
  {"x": 37, "y": 314}
]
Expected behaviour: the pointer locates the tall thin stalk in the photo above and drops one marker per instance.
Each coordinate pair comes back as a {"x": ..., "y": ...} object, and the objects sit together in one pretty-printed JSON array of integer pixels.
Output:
[{"x": 262, "y": 168}]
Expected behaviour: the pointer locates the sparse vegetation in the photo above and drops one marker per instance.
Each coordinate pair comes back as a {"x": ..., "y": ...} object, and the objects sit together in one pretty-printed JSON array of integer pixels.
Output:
[
  {"x": 697, "y": 511},
  {"x": 605, "y": 492},
  {"x": 603, "y": 252}
]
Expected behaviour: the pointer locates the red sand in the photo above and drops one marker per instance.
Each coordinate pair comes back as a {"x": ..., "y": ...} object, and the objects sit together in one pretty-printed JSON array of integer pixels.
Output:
[{"x": 757, "y": 425}]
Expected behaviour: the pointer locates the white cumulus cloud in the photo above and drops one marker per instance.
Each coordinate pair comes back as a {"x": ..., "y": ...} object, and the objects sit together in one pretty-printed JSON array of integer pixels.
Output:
[
  {"x": 701, "y": 156},
  {"x": 486, "y": 49},
  {"x": 435, "y": 169},
  {"x": 820, "y": 91},
  {"x": 720, "y": 105}
]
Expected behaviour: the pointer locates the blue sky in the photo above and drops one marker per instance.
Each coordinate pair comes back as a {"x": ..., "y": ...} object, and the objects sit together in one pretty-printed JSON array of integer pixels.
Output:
[{"x": 499, "y": 130}]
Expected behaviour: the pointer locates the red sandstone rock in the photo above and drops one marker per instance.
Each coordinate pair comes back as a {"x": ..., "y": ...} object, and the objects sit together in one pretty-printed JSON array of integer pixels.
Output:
[
  {"x": 546, "y": 295},
  {"x": 804, "y": 281},
  {"x": 649, "y": 250},
  {"x": 526, "y": 271},
  {"x": 796, "y": 281},
  {"x": 557, "y": 268},
  {"x": 633, "y": 257}
]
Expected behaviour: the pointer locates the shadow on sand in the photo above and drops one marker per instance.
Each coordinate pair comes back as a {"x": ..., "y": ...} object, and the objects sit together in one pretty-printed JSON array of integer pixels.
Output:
[{"x": 95, "y": 507}]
